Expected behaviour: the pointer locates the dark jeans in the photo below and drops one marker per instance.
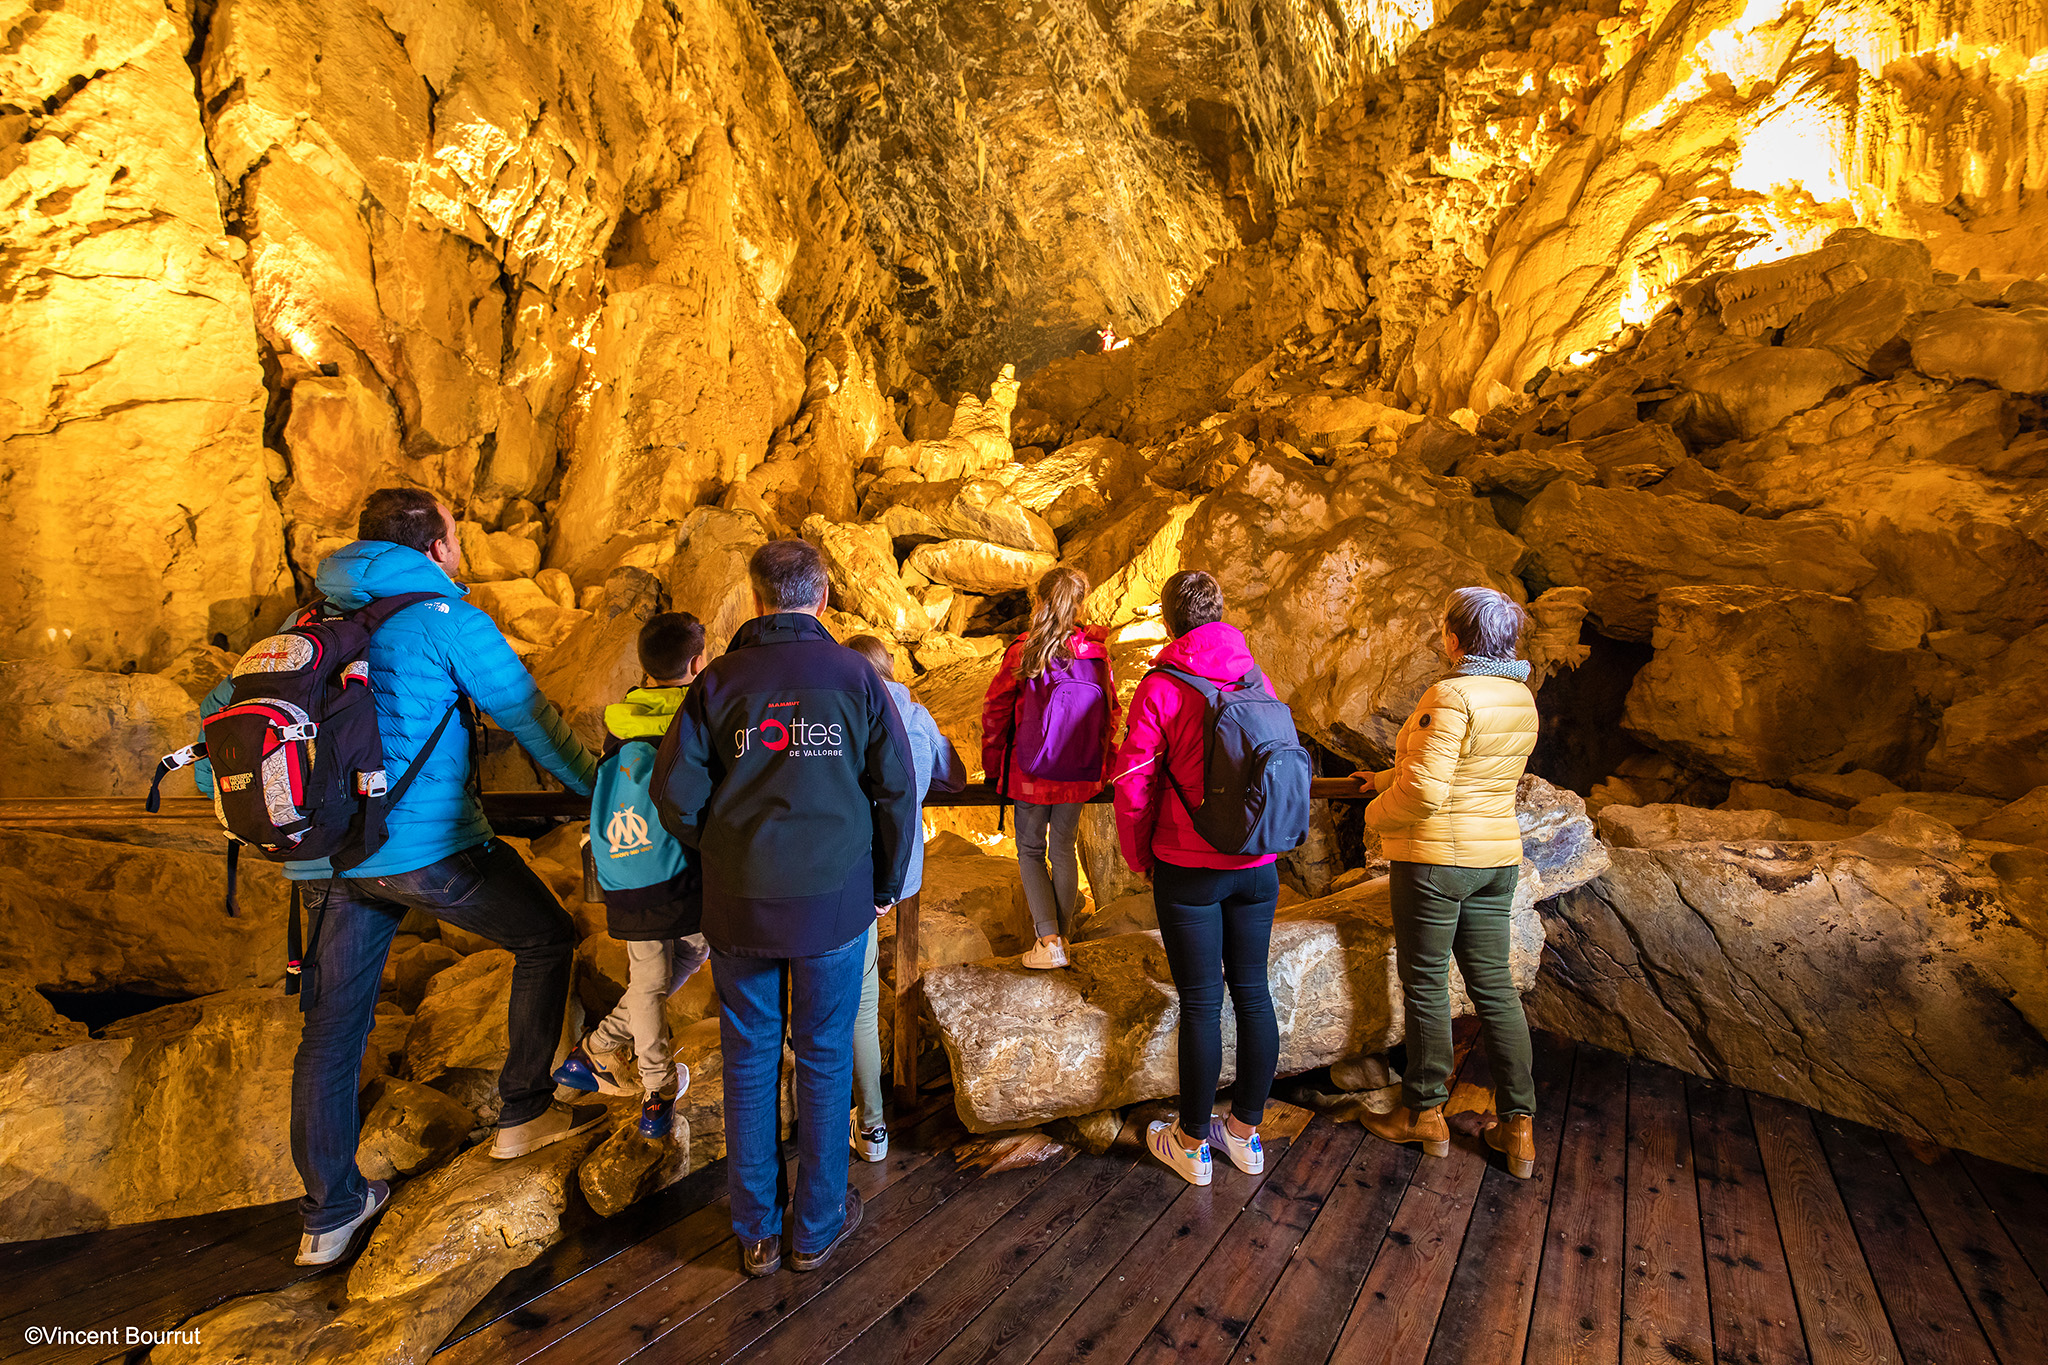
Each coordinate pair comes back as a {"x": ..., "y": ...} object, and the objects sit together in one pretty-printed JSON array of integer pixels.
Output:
[
  {"x": 1218, "y": 927},
  {"x": 1441, "y": 912},
  {"x": 824, "y": 997},
  {"x": 488, "y": 890}
]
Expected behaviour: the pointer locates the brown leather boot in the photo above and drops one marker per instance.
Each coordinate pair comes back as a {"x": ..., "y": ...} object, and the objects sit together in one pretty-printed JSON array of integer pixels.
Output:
[
  {"x": 1514, "y": 1137},
  {"x": 1426, "y": 1126}
]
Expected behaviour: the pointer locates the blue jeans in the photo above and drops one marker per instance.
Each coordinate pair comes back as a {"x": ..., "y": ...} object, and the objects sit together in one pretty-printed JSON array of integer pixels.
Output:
[
  {"x": 488, "y": 890},
  {"x": 824, "y": 996}
]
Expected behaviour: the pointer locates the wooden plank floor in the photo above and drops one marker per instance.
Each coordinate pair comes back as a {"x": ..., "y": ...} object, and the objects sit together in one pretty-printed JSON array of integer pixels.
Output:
[{"x": 1671, "y": 1220}]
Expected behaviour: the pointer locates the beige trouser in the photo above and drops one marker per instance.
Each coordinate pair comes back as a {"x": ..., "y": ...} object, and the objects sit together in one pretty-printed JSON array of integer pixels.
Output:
[{"x": 639, "y": 1021}]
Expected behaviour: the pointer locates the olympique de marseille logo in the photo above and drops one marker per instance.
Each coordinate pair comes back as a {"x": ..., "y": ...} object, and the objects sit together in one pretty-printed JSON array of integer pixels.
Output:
[{"x": 626, "y": 832}]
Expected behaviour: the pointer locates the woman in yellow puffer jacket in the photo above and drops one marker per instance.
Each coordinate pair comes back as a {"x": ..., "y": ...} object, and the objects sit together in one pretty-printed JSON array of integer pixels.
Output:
[{"x": 1446, "y": 815}]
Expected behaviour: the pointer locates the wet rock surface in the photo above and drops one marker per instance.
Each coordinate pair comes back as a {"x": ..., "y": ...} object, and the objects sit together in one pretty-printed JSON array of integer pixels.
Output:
[{"x": 1813, "y": 971}]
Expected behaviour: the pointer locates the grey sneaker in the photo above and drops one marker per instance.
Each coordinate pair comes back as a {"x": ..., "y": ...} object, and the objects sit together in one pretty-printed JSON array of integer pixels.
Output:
[
  {"x": 325, "y": 1248},
  {"x": 556, "y": 1122}
]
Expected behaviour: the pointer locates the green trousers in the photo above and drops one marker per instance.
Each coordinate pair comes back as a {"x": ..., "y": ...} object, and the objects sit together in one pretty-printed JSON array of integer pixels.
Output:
[{"x": 1439, "y": 913}]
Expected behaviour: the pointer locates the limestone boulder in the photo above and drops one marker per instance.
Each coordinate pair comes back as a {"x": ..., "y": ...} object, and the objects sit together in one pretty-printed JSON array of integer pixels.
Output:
[
  {"x": 1867, "y": 324},
  {"x": 457, "y": 1042},
  {"x": 708, "y": 575},
  {"x": 408, "y": 1127},
  {"x": 1740, "y": 678},
  {"x": 953, "y": 695},
  {"x": 525, "y": 611},
  {"x": 1525, "y": 473},
  {"x": 861, "y": 564},
  {"x": 181, "y": 1110},
  {"x": 1655, "y": 825},
  {"x": 139, "y": 518},
  {"x": 494, "y": 556},
  {"x": 1028, "y": 1046},
  {"x": 1951, "y": 808},
  {"x": 1626, "y": 546},
  {"x": 75, "y": 732},
  {"x": 967, "y": 509},
  {"x": 1707, "y": 956},
  {"x": 978, "y": 567},
  {"x": 599, "y": 659},
  {"x": 1100, "y": 465},
  {"x": 1102, "y": 857},
  {"x": 2003, "y": 346},
  {"x": 1741, "y": 398},
  {"x": 30, "y": 1024},
  {"x": 943, "y": 939},
  {"x": 83, "y": 915},
  {"x": 1338, "y": 577},
  {"x": 445, "y": 1240},
  {"x": 1994, "y": 742},
  {"x": 201, "y": 668},
  {"x": 2025, "y": 821},
  {"x": 982, "y": 888},
  {"x": 627, "y": 1167}
]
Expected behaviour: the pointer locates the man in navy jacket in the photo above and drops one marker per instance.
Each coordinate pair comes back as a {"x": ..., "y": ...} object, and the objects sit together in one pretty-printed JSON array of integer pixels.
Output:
[{"x": 788, "y": 770}]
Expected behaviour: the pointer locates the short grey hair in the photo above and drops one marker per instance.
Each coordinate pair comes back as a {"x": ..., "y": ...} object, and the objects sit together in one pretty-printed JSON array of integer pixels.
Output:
[
  {"x": 1488, "y": 624},
  {"x": 788, "y": 575}
]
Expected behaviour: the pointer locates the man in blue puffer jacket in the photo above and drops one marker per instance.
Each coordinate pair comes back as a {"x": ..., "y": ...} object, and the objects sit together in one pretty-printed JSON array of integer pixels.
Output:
[{"x": 439, "y": 857}]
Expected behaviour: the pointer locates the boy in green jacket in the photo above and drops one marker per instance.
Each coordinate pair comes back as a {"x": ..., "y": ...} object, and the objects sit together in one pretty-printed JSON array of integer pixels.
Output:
[{"x": 653, "y": 892}]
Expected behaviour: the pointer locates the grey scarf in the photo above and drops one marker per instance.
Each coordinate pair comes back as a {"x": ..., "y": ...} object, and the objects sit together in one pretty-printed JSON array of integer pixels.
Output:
[{"x": 1518, "y": 669}]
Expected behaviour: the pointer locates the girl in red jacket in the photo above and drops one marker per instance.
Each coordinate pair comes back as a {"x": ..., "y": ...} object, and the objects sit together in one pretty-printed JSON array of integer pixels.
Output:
[
  {"x": 1215, "y": 909},
  {"x": 1048, "y": 726}
]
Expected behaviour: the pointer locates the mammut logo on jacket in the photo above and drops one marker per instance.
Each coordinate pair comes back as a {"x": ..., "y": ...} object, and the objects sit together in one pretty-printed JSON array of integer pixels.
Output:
[{"x": 627, "y": 832}]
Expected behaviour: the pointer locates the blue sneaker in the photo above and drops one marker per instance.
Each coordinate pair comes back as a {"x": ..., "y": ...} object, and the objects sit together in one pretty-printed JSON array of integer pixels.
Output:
[
  {"x": 657, "y": 1116},
  {"x": 1247, "y": 1155},
  {"x": 580, "y": 1072}
]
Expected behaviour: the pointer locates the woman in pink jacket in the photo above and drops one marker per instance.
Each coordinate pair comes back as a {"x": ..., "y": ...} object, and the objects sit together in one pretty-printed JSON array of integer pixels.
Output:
[{"x": 1215, "y": 909}]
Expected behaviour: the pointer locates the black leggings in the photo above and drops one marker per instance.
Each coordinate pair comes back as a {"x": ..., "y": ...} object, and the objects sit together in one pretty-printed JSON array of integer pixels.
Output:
[{"x": 1218, "y": 926}]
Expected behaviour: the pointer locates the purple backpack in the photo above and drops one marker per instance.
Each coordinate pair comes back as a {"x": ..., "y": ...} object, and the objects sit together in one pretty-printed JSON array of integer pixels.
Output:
[{"x": 1061, "y": 716}]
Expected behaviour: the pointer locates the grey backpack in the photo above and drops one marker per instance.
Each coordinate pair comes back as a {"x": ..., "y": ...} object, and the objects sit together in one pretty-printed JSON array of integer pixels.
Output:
[{"x": 1255, "y": 773}]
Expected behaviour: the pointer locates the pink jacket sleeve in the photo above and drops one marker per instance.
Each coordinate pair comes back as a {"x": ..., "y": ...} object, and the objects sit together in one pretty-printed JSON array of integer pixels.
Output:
[{"x": 1136, "y": 775}]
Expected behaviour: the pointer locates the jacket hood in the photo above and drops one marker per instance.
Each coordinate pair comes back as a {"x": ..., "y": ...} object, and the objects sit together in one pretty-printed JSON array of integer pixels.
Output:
[
  {"x": 1216, "y": 651},
  {"x": 359, "y": 573},
  {"x": 645, "y": 713}
]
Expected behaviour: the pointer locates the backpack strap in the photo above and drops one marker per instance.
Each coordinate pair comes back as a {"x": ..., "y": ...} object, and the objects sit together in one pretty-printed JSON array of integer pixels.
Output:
[
  {"x": 1209, "y": 693},
  {"x": 294, "y": 944},
  {"x": 384, "y": 608},
  {"x": 419, "y": 760}
]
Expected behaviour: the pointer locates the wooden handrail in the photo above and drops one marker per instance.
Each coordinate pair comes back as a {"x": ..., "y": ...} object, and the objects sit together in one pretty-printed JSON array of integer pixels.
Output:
[
  {"x": 106, "y": 812},
  {"x": 196, "y": 813}
]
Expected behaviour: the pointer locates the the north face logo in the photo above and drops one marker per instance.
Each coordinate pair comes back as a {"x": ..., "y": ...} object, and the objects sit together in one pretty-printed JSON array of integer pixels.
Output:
[{"x": 626, "y": 832}]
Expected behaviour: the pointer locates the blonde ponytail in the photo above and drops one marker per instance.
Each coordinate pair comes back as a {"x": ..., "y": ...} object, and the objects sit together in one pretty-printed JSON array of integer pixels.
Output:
[{"x": 1055, "y": 612}]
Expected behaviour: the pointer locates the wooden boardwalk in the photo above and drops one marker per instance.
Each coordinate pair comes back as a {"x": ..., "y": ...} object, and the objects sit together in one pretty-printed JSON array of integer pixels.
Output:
[{"x": 1671, "y": 1220}]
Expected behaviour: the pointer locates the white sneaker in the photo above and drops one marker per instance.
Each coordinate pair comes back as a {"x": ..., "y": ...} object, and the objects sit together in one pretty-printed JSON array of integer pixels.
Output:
[
  {"x": 871, "y": 1144},
  {"x": 1045, "y": 956},
  {"x": 325, "y": 1248},
  {"x": 1247, "y": 1155},
  {"x": 1193, "y": 1167}
]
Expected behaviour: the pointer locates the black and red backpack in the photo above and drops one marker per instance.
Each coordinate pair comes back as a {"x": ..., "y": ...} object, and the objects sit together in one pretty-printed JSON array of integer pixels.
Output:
[{"x": 298, "y": 760}]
